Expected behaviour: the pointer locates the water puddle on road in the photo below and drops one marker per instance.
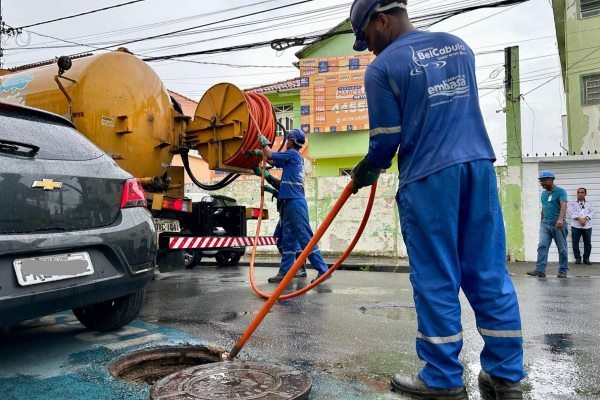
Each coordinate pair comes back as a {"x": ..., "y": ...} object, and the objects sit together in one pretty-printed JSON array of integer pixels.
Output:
[
  {"x": 394, "y": 311},
  {"x": 564, "y": 366},
  {"x": 364, "y": 291}
]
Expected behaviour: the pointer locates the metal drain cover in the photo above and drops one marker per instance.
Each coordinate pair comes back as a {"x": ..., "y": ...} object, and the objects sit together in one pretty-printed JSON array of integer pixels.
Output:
[{"x": 237, "y": 380}]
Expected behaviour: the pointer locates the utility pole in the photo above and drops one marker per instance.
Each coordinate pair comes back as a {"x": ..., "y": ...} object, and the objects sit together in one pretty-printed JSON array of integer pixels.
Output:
[
  {"x": 513, "y": 105},
  {"x": 512, "y": 176}
]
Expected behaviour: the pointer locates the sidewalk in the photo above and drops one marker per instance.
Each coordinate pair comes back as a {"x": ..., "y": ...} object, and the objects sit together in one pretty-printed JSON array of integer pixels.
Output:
[{"x": 386, "y": 264}]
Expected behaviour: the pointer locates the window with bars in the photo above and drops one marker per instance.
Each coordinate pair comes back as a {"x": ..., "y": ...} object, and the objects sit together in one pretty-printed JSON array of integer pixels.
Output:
[
  {"x": 589, "y": 8},
  {"x": 285, "y": 117},
  {"x": 591, "y": 90}
]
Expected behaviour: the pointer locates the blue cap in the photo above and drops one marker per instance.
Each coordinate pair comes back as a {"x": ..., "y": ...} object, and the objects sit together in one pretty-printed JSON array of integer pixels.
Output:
[
  {"x": 546, "y": 174},
  {"x": 361, "y": 13},
  {"x": 297, "y": 136}
]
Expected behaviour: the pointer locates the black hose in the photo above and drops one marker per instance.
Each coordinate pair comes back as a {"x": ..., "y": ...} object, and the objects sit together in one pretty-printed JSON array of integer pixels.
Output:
[
  {"x": 219, "y": 185},
  {"x": 284, "y": 139}
]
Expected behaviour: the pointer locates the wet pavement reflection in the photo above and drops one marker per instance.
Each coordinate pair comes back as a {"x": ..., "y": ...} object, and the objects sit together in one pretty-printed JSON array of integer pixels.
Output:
[
  {"x": 349, "y": 334},
  {"x": 352, "y": 332}
]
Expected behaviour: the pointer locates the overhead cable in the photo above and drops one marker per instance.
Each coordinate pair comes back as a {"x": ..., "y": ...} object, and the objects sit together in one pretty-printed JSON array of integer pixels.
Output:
[{"x": 80, "y": 14}]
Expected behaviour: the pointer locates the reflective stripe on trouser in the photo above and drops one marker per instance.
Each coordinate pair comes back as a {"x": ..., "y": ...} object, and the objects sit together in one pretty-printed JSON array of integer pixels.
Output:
[
  {"x": 453, "y": 229},
  {"x": 296, "y": 229}
]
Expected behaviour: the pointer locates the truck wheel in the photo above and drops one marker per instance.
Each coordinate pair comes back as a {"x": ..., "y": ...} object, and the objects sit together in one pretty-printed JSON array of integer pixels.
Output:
[
  {"x": 191, "y": 258},
  {"x": 228, "y": 258},
  {"x": 111, "y": 314}
]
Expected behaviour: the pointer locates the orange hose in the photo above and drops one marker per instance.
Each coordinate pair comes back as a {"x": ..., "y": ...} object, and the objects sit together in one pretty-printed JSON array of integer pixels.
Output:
[
  {"x": 276, "y": 295},
  {"x": 299, "y": 261},
  {"x": 306, "y": 253},
  {"x": 261, "y": 120}
]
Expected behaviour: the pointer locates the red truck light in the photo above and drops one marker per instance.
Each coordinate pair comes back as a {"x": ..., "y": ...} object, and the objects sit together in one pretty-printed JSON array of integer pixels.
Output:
[
  {"x": 133, "y": 194},
  {"x": 170, "y": 203},
  {"x": 253, "y": 213}
]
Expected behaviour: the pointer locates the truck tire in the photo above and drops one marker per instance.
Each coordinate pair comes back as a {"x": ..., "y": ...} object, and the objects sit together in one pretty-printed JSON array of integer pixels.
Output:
[
  {"x": 228, "y": 258},
  {"x": 111, "y": 314},
  {"x": 191, "y": 258}
]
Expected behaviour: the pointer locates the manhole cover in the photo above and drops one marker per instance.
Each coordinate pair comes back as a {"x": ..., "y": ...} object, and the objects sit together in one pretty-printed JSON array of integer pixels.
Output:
[
  {"x": 238, "y": 380},
  {"x": 150, "y": 365}
]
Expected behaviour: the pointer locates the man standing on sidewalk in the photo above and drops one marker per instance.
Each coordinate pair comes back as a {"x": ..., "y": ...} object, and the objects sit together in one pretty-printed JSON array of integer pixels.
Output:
[
  {"x": 423, "y": 105},
  {"x": 581, "y": 212},
  {"x": 552, "y": 226}
]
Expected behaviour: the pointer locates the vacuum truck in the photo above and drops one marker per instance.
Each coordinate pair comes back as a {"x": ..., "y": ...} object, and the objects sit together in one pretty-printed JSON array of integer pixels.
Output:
[{"x": 118, "y": 102}]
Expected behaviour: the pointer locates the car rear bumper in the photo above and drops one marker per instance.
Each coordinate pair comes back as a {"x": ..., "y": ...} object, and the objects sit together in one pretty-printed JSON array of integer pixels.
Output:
[{"x": 122, "y": 254}]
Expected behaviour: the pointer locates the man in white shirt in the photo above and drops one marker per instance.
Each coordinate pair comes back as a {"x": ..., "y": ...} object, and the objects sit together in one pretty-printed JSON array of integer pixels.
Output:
[{"x": 581, "y": 212}]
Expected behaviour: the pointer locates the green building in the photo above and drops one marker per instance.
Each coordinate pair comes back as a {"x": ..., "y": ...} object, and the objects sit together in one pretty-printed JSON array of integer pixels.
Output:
[
  {"x": 578, "y": 35},
  {"x": 333, "y": 153}
]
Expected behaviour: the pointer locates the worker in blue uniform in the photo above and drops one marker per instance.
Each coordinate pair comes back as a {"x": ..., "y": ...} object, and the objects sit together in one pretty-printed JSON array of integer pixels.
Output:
[
  {"x": 294, "y": 222},
  {"x": 423, "y": 104},
  {"x": 278, "y": 233}
]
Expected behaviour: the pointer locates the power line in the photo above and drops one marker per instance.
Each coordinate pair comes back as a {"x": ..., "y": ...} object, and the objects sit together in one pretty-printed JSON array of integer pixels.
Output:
[
  {"x": 80, "y": 14},
  {"x": 559, "y": 74},
  {"x": 211, "y": 23},
  {"x": 482, "y": 19}
]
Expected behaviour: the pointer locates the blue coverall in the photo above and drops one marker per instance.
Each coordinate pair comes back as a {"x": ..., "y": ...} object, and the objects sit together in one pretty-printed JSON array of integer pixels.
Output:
[
  {"x": 423, "y": 103},
  {"x": 294, "y": 221}
]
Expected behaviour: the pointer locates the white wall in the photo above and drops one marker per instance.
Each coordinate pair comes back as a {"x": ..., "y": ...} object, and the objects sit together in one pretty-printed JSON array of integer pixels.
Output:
[{"x": 571, "y": 172}]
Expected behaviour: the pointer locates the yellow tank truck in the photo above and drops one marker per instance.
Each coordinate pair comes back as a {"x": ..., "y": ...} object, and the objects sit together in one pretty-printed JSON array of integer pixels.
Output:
[{"x": 118, "y": 102}]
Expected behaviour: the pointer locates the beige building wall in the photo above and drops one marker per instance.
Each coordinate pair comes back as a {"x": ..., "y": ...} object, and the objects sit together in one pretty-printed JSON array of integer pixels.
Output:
[{"x": 381, "y": 237}]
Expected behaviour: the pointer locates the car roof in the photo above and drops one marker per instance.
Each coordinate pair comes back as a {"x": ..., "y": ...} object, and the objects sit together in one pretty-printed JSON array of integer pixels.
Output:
[{"x": 25, "y": 111}]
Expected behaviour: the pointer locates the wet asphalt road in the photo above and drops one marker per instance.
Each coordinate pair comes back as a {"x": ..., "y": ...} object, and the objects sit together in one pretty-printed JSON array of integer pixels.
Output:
[
  {"x": 357, "y": 328},
  {"x": 349, "y": 335}
]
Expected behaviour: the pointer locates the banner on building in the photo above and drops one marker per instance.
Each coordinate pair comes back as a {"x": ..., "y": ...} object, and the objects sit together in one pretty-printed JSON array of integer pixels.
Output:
[{"x": 332, "y": 93}]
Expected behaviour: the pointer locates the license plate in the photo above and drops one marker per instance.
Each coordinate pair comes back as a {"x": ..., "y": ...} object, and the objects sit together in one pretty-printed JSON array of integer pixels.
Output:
[
  {"x": 31, "y": 271},
  {"x": 166, "y": 225}
]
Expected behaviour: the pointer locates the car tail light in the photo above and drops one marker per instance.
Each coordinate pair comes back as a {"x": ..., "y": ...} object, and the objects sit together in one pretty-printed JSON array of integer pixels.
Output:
[
  {"x": 133, "y": 194},
  {"x": 253, "y": 213},
  {"x": 170, "y": 203}
]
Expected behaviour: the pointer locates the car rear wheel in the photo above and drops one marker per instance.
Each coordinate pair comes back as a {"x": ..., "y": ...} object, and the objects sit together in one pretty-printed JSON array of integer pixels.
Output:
[
  {"x": 111, "y": 314},
  {"x": 228, "y": 258},
  {"x": 191, "y": 258}
]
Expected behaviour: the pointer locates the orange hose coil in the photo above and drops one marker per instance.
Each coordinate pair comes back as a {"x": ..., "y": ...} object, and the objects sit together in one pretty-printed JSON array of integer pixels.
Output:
[{"x": 262, "y": 120}]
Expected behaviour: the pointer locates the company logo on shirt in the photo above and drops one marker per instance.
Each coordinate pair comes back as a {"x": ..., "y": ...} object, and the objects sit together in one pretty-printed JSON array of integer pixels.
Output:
[
  {"x": 452, "y": 87},
  {"x": 433, "y": 57}
]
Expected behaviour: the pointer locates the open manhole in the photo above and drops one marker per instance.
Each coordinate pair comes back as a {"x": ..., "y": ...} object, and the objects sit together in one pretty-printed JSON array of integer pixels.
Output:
[{"x": 150, "y": 365}]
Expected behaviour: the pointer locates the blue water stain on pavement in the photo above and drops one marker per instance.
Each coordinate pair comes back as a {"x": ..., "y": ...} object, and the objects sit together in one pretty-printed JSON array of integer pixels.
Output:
[{"x": 56, "y": 358}]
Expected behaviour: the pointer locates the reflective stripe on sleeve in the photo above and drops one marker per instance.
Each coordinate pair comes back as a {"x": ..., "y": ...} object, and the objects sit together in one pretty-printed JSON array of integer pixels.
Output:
[
  {"x": 440, "y": 339},
  {"x": 505, "y": 334},
  {"x": 292, "y": 183},
  {"x": 385, "y": 131}
]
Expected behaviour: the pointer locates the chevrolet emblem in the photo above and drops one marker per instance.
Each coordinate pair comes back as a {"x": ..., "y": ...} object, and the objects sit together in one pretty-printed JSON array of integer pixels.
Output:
[{"x": 47, "y": 184}]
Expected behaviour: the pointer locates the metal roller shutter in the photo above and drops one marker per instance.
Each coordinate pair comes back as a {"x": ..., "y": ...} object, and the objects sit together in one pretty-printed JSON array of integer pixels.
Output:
[{"x": 571, "y": 175}]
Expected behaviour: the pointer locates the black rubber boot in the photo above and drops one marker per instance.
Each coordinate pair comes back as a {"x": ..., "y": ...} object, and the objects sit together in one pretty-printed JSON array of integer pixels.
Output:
[
  {"x": 302, "y": 271},
  {"x": 275, "y": 279},
  {"x": 498, "y": 389},
  {"x": 413, "y": 386}
]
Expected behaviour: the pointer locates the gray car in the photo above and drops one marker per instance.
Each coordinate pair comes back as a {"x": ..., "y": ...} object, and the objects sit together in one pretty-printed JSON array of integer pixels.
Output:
[{"x": 74, "y": 230}]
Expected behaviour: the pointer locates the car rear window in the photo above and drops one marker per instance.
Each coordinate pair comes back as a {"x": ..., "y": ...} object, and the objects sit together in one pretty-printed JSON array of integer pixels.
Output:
[{"x": 56, "y": 141}]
